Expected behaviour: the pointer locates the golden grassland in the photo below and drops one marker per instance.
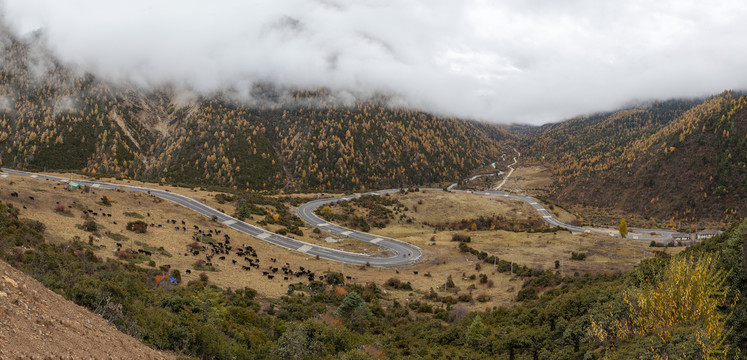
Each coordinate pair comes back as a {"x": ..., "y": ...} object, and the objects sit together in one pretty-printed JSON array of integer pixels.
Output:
[{"x": 441, "y": 257}]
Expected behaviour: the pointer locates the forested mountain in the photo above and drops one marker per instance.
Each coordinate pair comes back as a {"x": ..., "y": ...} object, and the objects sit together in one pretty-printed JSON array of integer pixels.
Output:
[
  {"x": 678, "y": 160},
  {"x": 55, "y": 118}
]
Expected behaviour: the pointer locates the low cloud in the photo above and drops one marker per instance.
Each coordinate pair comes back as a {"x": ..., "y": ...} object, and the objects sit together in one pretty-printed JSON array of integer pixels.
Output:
[{"x": 510, "y": 61}]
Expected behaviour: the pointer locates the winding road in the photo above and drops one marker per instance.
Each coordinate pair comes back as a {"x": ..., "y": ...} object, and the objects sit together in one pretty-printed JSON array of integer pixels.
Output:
[
  {"x": 396, "y": 252},
  {"x": 400, "y": 252}
]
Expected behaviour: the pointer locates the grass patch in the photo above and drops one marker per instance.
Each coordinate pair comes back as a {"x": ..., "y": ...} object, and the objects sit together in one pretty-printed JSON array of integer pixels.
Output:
[
  {"x": 156, "y": 250},
  {"x": 133, "y": 214},
  {"x": 205, "y": 268},
  {"x": 117, "y": 237},
  {"x": 207, "y": 240},
  {"x": 64, "y": 213},
  {"x": 39, "y": 190}
]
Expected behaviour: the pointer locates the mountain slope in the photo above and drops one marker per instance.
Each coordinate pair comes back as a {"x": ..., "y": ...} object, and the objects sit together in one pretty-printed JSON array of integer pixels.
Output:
[
  {"x": 691, "y": 167},
  {"x": 54, "y": 118},
  {"x": 38, "y": 323}
]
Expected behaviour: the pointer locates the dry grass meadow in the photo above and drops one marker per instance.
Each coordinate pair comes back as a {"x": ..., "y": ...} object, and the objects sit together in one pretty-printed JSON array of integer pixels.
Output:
[{"x": 537, "y": 250}]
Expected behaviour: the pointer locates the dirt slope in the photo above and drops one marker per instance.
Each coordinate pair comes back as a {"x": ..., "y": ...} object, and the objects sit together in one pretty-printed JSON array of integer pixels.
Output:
[{"x": 38, "y": 323}]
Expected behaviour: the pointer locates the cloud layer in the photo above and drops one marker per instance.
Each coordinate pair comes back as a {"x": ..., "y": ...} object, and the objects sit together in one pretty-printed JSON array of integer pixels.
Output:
[{"x": 503, "y": 61}]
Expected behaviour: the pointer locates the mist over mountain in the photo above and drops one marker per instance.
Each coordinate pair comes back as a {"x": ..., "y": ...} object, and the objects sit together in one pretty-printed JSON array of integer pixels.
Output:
[{"x": 525, "y": 62}]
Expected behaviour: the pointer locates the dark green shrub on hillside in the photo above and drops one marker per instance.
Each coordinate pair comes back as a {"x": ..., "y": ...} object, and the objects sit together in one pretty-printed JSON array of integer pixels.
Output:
[{"x": 137, "y": 226}]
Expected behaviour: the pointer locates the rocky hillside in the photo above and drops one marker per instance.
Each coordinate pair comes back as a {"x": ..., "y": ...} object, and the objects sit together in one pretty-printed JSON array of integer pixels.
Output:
[
  {"x": 54, "y": 117},
  {"x": 680, "y": 161},
  {"x": 35, "y": 322}
]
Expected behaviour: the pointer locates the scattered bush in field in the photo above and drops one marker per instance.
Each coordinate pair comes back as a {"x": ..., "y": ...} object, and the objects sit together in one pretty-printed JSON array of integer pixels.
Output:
[
  {"x": 334, "y": 278},
  {"x": 483, "y": 279},
  {"x": 483, "y": 297},
  {"x": 90, "y": 226},
  {"x": 578, "y": 256},
  {"x": 491, "y": 283},
  {"x": 465, "y": 297},
  {"x": 133, "y": 214},
  {"x": 461, "y": 238},
  {"x": 224, "y": 198},
  {"x": 557, "y": 264},
  {"x": 105, "y": 200},
  {"x": 138, "y": 226},
  {"x": 396, "y": 283}
]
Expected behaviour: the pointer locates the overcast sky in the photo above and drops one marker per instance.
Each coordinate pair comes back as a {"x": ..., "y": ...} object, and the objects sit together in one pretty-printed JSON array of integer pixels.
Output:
[{"x": 530, "y": 61}]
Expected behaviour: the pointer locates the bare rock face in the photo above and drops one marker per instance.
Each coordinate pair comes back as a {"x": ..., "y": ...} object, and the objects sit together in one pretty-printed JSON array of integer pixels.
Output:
[{"x": 35, "y": 322}]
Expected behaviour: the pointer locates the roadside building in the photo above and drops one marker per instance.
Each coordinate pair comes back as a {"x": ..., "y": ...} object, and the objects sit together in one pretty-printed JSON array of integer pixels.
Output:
[
  {"x": 72, "y": 185},
  {"x": 680, "y": 237},
  {"x": 702, "y": 235}
]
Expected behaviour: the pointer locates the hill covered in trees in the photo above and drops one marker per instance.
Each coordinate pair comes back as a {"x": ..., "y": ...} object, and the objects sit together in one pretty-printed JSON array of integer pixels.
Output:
[
  {"x": 680, "y": 160},
  {"x": 55, "y": 118}
]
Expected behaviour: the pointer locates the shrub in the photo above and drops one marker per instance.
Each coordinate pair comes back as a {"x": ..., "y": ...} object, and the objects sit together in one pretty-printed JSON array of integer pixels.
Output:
[
  {"x": 138, "y": 226},
  {"x": 36, "y": 225},
  {"x": 425, "y": 307},
  {"x": 176, "y": 275},
  {"x": 457, "y": 313},
  {"x": 396, "y": 283},
  {"x": 461, "y": 238},
  {"x": 334, "y": 278},
  {"x": 491, "y": 283},
  {"x": 465, "y": 297},
  {"x": 483, "y": 297},
  {"x": 578, "y": 256},
  {"x": 105, "y": 200},
  {"x": 90, "y": 226},
  {"x": 483, "y": 279},
  {"x": 528, "y": 293}
]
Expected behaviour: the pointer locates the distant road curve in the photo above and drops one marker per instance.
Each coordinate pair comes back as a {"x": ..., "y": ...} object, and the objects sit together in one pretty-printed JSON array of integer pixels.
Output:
[
  {"x": 306, "y": 212},
  {"x": 402, "y": 253}
]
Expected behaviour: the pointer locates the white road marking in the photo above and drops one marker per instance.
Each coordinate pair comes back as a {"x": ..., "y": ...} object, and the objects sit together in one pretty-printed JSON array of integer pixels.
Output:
[
  {"x": 346, "y": 233},
  {"x": 323, "y": 224},
  {"x": 263, "y": 235},
  {"x": 547, "y": 216},
  {"x": 304, "y": 248},
  {"x": 4, "y": 175},
  {"x": 229, "y": 222},
  {"x": 374, "y": 241},
  {"x": 34, "y": 176},
  {"x": 96, "y": 185}
]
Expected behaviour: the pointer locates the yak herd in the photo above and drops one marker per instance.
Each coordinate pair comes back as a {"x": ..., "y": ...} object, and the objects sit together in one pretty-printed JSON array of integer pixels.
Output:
[{"x": 214, "y": 247}]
